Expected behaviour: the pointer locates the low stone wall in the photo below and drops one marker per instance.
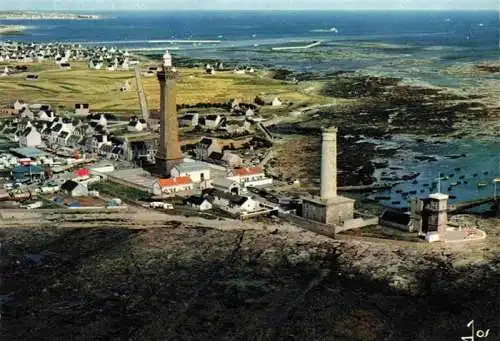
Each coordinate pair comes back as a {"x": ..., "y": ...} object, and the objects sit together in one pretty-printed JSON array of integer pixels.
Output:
[
  {"x": 356, "y": 223},
  {"x": 313, "y": 226}
]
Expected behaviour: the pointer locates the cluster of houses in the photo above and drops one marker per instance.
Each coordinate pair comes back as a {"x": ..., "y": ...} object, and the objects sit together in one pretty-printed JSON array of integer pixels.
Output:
[
  {"x": 111, "y": 59},
  {"x": 227, "y": 193}
]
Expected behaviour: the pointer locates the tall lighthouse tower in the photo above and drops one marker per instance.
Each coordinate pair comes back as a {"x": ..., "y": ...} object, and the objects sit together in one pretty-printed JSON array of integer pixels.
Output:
[{"x": 169, "y": 152}]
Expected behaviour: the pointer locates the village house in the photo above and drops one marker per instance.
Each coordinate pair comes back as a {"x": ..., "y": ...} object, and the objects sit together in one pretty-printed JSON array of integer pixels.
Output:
[
  {"x": 28, "y": 172},
  {"x": 19, "y": 105},
  {"x": 276, "y": 102},
  {"x": 189, "y": 120},
  {"x": 95, "y": 142},
  {"x": 99, "y": 119},
  {"x": 235, "y": 126},
  {"x": 205, "y": 147},
  {"x": 48, "y": 116},
  {"x": 27, "y": 113},
  {"x": 226, "y": 185},
  {"x": 210, "y": 122},
  {"x": 251, "y": 176},
  {"x": 197, "y": 171},
  {"x": 75, "y": 189},
  {"x": 234, "y": 204},
  {"x": 30, "y": 137},
  {"x": 136, "y": 124},
  {"x": 199, "y": 203},
  {"x": 181, "y": 185},
  {"x": 232, "y": 159},
  {"x": 82, "y": 109}
]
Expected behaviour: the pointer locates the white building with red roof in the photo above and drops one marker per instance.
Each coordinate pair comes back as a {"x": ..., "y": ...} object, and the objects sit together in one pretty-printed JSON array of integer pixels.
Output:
[
  {"x": 250, "y": 176},
  {"x": 181, "y": 185}
]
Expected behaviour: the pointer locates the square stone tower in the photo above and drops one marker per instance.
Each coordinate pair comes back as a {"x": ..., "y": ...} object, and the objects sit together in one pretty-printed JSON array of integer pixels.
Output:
[
  {"x": 329, "y": 208},
  {"x": 435, "y": 215},
  {"x": 169, "y": 151}
]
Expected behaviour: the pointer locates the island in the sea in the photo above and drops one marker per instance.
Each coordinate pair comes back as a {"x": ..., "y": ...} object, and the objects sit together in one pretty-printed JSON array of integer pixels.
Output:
[{"x": 31, "y": 15}]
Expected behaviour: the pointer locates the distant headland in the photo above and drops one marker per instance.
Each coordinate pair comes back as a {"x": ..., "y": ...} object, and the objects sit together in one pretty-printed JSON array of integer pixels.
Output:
[
  {"x": 11, "y": 29},
  {"x": 31, "y": 15}
]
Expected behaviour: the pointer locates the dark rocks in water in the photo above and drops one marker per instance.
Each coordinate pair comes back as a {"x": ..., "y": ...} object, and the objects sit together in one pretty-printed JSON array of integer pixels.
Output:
[
  {"x": 380, "y": 164},
  {"x": 488, "y": 68},
  {"x": 419, "y": 140},
  {"x": 380, "y": 198},
  {"x": 410, "y": 176},
  {"x": 426, "y": 158},
  {"x": 455, "y": 156}
]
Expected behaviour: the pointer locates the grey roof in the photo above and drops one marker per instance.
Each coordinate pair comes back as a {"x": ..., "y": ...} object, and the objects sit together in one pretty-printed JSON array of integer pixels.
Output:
[
  {"x": 191, "y": 167},
  {"x": 223, "y": 182}
]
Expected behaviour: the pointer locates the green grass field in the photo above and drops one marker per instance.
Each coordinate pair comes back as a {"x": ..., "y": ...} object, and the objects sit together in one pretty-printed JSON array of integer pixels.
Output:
[{"x": 101, "y": 88}]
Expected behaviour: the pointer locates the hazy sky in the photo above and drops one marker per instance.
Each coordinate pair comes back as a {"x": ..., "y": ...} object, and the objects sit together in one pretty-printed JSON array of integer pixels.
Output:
[{"x": 247, "y": 4}]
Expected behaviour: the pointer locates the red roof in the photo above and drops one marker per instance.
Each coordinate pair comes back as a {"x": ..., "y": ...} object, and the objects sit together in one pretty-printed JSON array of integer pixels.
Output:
[
  {"x": 82, "y": 172},
  {"x": 248, "y": 171},
  {"x": 178, "y": 181}
]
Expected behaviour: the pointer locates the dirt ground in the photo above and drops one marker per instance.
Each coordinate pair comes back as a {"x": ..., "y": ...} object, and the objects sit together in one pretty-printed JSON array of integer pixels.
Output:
[{"x": 181, "y": 280}]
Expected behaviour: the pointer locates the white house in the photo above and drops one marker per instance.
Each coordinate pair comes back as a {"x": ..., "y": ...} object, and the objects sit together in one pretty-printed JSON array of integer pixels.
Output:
[
  {"x": 27, "y": 113},
  {"x": 101, "y": 120},
  {"x": 19, "y": 105},
  {"x": 136, "y": 125},
  {"x": 231, "y": 159},
  {"x": 226, "y": 185},
  {"x": 180, "y": 185},
  {"x": 276, "y": 102},
  {"x": 251, "y": 176},
  {"x": 210, "y": 121},
  {"x": 46, "y": 116},
  {"x": 75, "y": 189},
  {"x": 196, "y": 171},
  {"x": 189, "y": 119},
  {"x": 82, "y": 109},
  {"x": 234, "y": 204},
  {"x": 198, "y": 203},
  {"x": 30, "y": 137}
]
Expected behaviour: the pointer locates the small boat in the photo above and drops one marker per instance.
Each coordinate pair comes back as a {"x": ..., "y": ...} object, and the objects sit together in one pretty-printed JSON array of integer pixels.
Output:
[
  {"x": 485, "y": 173},
  {"x": 449, "y": 189},
  {"x": 475, "y": 175},
  {"x": 452, "y": 196},
  {"x": 465, "y": 182},
  {"x": 444, "y": 178},
  {"x": 414, "y": 182},
  {"x": 461, "y": 177},
  {"x": 399, "y": 191},
  {"x": 454, "y": 183},
  {"x": 451, "y": 175},
  {"x": 426, "y": 185},
  {"x": 482, "y": 184},
  {"x": 422, "y": 191},
  {"x": 458, "y": 168},
  {"x": 413, "y": 192}
]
